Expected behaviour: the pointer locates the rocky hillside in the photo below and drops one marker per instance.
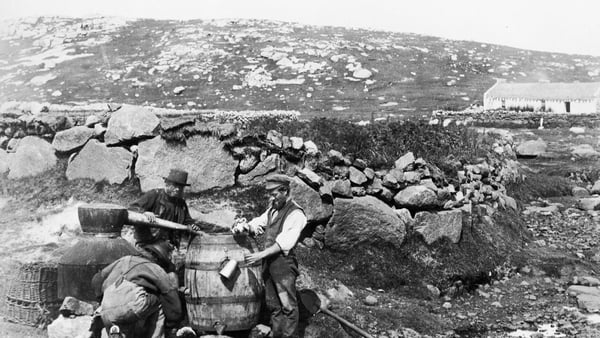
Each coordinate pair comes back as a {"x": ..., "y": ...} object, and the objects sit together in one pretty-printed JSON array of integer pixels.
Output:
[{"x": 260, "y": 65}]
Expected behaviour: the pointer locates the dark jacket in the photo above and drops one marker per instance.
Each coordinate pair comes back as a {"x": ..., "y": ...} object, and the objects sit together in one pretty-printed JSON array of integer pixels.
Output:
[
  {"x": 145, "y": 273},
  {"x": 169, "y": 208}
]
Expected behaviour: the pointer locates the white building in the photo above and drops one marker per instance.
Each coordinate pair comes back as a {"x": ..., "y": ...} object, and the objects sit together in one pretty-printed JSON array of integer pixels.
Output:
[{"x": 557, "y": 97}]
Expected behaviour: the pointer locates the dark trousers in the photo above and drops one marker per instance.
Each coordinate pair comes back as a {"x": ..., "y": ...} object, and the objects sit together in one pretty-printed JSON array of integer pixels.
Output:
[{"x": 280, "y": 295}]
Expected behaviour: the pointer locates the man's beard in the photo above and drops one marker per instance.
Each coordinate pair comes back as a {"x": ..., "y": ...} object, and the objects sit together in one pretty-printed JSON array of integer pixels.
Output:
[{"x": 278, "y": 204}]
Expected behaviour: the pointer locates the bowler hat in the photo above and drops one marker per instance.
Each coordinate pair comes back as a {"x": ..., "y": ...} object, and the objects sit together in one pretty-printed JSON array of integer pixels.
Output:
[
  {"x": 277, "y": 180},
  {"x": 177, "y": 176}
]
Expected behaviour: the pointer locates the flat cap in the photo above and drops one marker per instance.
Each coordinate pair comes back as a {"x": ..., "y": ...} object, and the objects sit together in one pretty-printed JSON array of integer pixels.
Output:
[{"x": 277, "y": 180}]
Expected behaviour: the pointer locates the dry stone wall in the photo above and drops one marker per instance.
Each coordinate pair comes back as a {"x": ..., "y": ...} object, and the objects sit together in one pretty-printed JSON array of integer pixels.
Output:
[{"x": 355, "y": 202}]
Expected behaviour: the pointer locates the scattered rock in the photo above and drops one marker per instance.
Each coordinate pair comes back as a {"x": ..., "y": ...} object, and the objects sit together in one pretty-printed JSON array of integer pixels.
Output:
[
  {"x": 415, "y": 196},
  {"x": 131, "y": 123},
  {"x": 370, "y": 300},
  {"x": 404, "y": 161},
  {"x": 72, "y": 306},
  {"x": 72, "y": 139}
]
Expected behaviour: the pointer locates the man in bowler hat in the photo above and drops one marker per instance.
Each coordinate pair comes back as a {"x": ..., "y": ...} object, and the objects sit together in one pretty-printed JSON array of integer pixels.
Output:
[{"x": 167, "y": 204}]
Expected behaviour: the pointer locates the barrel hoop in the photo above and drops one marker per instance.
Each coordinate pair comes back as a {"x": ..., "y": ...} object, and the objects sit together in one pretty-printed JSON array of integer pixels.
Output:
[
  {"x": 212, "y": 266},
  {"x": 222, "y": 300}
]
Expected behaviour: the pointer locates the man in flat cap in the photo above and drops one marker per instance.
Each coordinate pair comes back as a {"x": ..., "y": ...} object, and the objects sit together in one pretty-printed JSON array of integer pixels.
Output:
[{"x": 281, "y": 224}]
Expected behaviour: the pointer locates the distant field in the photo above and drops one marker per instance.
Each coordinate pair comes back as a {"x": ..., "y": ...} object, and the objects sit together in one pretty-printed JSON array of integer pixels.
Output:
[{"x": 256, "y": 65}]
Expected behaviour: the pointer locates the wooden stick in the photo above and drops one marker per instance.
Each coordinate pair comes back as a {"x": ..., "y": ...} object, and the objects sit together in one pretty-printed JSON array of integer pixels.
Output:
[
  {"x": 135, "y": 218},
  {"x": 347, "y": 323}
]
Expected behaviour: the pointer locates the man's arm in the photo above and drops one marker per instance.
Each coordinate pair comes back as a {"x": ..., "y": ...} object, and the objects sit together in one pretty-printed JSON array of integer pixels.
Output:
[{"x": 285, "y": 241}]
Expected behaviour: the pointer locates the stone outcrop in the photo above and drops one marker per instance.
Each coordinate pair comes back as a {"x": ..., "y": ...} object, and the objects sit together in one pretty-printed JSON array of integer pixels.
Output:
[
  {"x": 33, "y": 156},
  {"x": 130, "y": 123},
  {"x": 363, "y": 220},
  {"x": 209, "y": 165},
  {"x": 443, "y": 224},
  {"x": 98, "y": 162},
  {"x": 72, "y": 139}
]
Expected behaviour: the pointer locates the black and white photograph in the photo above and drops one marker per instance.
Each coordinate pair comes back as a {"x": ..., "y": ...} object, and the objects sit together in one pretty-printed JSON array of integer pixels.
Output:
[{"x": 299, "y": 169}]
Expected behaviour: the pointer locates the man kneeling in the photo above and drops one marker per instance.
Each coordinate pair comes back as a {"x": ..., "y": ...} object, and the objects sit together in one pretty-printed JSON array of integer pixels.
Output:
[{"x": 138, "y": 295}]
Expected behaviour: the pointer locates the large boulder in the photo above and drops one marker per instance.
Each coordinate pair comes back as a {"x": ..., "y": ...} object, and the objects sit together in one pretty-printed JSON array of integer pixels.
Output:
[
  {"x": 72, "y": 139},
  {"x": 131, "y": 123},
  {"x": 209, "y": 165},
  {"x": 310, "y": 201},
  {"x": 532, "y": 148},
  {"x": 415, "y": 196},
  {"x": 33, "y": 156},
  {"x": 98, "y": 162},
  {"x": 363, "y": 220},
  {"x": 435, "y": 225}
]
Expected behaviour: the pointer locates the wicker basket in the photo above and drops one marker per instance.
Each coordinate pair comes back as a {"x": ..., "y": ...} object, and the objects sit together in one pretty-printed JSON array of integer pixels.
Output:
[
  {"x": 36, "y": 283},
  {"x": 31, "y": 313},
  {"x": 32, "y": 297}
]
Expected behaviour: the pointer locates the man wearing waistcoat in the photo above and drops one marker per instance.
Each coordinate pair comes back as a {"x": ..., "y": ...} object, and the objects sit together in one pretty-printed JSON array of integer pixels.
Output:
[{"x": 282, "y": 224}]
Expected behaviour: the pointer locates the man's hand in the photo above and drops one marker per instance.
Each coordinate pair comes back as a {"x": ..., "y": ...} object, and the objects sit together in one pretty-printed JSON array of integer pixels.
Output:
[
  {"x": 150, "y": 217},
  {"x": 251, "y": 258},
  {"x": 256, "y": 230}
]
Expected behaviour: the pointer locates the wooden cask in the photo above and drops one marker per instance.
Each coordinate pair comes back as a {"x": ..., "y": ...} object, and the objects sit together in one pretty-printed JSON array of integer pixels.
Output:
[{"x": 213, "y": 301}]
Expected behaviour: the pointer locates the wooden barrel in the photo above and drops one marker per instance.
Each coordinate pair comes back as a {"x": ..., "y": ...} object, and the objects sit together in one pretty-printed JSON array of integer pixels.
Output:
[{"x": 213, "y": 300}]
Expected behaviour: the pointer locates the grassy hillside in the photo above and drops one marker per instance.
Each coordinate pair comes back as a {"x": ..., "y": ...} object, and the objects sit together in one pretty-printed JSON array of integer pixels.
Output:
[{"x": 254, "y": 64}]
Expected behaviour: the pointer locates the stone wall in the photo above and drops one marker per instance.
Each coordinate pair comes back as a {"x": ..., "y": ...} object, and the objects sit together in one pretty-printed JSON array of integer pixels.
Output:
[{"x": 120, "y": 143}]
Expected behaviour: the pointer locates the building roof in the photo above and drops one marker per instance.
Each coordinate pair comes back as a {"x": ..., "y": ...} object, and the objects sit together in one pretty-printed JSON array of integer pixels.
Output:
[{"x": 546, "y": 90}]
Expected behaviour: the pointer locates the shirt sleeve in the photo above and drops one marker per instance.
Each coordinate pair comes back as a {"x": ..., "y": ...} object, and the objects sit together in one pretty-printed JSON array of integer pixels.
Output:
[
  {"x": 290, "y": 232},
  {"x": 260, "y": 221}
]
